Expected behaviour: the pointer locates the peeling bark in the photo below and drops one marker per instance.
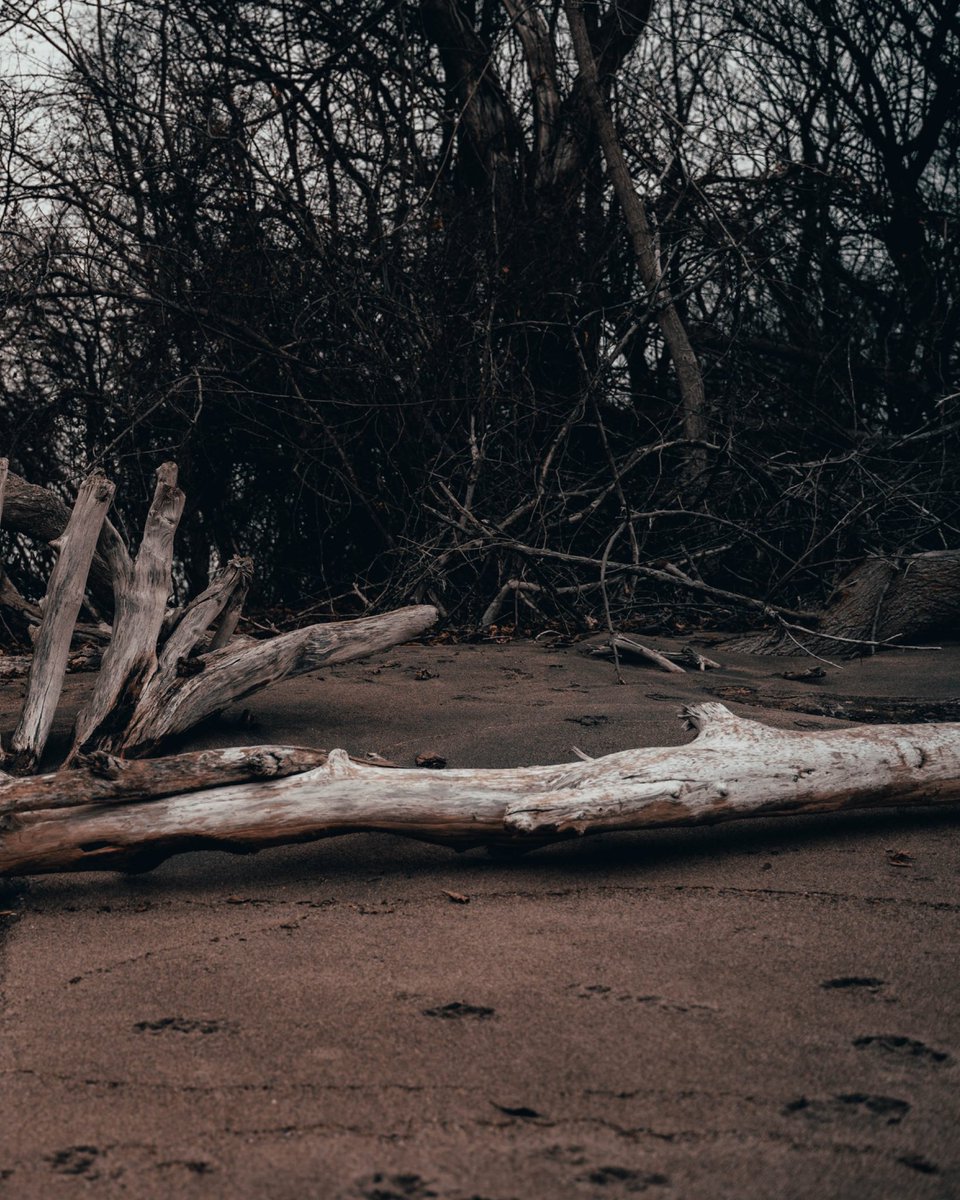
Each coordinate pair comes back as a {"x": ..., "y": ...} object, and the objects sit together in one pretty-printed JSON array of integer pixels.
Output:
[{"x": 734, "y": 769}]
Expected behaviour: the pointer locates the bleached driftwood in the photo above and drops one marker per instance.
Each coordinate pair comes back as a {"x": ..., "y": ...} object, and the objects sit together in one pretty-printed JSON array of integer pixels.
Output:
[
  {"x": 734, "y": 769},
  {"x": 76, "y": 547},
  {"x": 141, "y": 590},
  {"x": 164, "y": 670},
  {"x": 619, "y": 645}
]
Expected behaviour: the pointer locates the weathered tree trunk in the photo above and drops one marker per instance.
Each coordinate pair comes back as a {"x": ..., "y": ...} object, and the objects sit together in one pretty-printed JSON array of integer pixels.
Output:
[
  {"x": 734, "y": 769},
  {"x": 883, "y": 601}
]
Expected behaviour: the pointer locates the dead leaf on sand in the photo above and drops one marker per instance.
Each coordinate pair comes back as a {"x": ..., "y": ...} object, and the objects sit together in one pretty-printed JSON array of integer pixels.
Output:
[
  {"x": 458, "y": 1010},
  {"x": 517, "y": 1110},
  {"x": 899, "y": 858}
]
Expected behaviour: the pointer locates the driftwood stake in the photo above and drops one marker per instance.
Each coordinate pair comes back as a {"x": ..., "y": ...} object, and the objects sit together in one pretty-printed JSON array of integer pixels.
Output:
[
  {"x": 734, "y": 769},
  {"x": 141, "y": 590},
  {"x": 76, "y": 545}
]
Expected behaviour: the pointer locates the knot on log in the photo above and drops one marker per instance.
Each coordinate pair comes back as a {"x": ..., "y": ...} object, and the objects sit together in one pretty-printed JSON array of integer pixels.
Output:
[
  {"x": 189, "y": 666},
  {"x": 101, "y": 764},
  {"x": 339, "y": 764},
  {"x": 266, "y": 766}
]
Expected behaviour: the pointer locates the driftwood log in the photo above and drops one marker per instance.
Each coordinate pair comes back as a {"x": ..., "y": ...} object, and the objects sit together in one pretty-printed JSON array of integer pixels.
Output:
[
  {"x": 734, "y": 769},
  {"x": 163, "y": 670},
  {"x": 883, "y": 602}
]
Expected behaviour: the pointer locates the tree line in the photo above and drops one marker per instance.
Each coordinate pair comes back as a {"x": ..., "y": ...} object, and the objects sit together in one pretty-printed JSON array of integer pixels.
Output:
[{"x": 372, "y": 274}]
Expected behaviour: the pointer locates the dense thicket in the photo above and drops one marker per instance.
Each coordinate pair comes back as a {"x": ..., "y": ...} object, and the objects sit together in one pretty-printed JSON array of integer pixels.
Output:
[{"x": 359, "y": 268}]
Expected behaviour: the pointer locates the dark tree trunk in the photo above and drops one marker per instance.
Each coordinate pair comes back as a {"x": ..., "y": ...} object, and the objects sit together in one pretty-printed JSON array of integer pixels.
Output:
[{"x": 883, "y": 601}]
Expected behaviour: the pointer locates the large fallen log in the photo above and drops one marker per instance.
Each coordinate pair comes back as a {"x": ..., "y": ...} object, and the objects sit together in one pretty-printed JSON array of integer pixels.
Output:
[{"x": 734, "y": 769}]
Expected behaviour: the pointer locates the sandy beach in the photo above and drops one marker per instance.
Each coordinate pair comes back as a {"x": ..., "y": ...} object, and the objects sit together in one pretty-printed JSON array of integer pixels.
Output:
[{"x": 760, "y": 1010}]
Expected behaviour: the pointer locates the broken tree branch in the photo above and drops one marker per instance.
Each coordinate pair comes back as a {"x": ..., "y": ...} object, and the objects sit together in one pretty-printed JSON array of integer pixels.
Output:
[
  {"x": 494, "y": 536},
  {"x": 620, "y": 644},
  {"x": 734, "y": 769},
  {"x": 174, "y": 703}
]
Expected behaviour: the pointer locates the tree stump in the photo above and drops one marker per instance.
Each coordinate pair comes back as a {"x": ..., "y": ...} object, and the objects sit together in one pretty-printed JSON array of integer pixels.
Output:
[{"x": 882, "y": 602}]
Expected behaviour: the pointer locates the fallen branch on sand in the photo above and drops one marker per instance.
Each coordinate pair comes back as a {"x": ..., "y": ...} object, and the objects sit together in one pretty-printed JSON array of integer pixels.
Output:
[
  {"x": 734, "y": 769},
  {"x": 619, "y": 645}
]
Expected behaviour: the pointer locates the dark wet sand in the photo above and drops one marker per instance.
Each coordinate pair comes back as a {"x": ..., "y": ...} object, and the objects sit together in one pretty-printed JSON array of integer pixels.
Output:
[{"x": 767, "y": 1010}]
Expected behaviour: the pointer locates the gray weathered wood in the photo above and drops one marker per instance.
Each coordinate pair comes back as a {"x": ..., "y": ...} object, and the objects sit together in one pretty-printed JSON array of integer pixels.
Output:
[
  {"x": 174, "y": 703},
  {"x": 141, "y": 591},
  {"x": 734, "y": 769},
  {"x": 104, "y": 779},
  {"x": 41, "y": 514},
  {"x": 76, "y": 547}
]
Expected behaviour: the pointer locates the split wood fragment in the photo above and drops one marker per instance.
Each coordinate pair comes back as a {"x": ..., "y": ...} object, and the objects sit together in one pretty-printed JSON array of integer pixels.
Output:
[
  {"x": 76, "y": 547},
  {"x": 734, "y": 769}
]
